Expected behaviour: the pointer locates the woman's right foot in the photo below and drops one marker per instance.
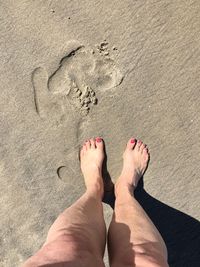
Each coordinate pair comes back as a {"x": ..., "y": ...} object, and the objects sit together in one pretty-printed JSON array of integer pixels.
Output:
[{"x": 136, "y": 158}]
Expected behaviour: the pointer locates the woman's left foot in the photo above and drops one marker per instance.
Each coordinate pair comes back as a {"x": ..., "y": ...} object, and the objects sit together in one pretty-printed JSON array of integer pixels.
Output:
[
  {"x": 91, "y": 157},
  {"x": 136, "y": 158}
]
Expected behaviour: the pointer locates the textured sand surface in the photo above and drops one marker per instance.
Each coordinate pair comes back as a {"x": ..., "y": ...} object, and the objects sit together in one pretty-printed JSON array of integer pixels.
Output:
[{"x": 75, "y": 69}]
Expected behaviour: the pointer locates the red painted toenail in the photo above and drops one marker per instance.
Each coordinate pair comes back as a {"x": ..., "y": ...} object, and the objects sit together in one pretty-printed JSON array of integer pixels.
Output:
[
  {"x": 133, "y": 140},
  {"x": 98, "y": 139}
]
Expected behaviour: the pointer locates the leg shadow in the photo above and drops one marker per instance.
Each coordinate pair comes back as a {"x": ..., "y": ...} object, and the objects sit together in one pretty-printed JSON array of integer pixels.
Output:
[{"x": 180, "y": 231}]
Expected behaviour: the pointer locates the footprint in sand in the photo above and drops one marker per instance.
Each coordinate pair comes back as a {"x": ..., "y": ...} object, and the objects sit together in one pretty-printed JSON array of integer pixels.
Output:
[
  {"x": 80, "y": 74},
  {"x": 70, "y": 91}
]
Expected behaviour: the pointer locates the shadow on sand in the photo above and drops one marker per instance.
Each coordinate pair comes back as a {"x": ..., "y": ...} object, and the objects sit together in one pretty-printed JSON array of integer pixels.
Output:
[{"x": 180, "y": 231}]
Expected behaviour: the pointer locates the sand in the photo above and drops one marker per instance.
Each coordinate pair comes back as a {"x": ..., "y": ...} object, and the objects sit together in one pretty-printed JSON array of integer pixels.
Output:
[{"x": 71, "y": 70}]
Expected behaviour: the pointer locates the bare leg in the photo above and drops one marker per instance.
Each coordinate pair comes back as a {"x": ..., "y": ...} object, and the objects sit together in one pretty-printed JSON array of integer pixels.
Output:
[
  {"x": 77, "y": 237},
  {"x": 133, "y": 240}
]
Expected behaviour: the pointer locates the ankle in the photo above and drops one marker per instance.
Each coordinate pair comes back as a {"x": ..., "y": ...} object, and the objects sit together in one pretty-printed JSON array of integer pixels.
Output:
[
  {"x": 129, "y": 174},
  {"x": 95, "y": 190},
  {"x": 124, "y": 195},
  {"x": 122, "y": 188}
]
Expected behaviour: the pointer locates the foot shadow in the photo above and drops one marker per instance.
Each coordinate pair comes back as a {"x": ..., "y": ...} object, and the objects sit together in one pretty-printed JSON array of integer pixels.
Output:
[
  {"x": 180, "y": 231},
  {"x": 109, "y": 196}
]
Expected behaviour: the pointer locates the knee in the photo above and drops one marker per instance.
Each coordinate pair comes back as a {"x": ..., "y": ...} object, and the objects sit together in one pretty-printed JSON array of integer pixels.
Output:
[
  {"x": 140, "y": 255},
  {"x": 150, "y": 254},
  {"x": 72, "y": 252},
  {"x": 60, "y": 251},
  {"x": 150, "y": 261},
  {"x": 70, "y": 244},
  {"x": 142, "y": 260}
]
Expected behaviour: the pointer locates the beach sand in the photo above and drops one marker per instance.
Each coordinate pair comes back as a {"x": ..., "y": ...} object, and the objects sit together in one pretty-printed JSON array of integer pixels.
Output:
[{"x": 71, "y": 70}]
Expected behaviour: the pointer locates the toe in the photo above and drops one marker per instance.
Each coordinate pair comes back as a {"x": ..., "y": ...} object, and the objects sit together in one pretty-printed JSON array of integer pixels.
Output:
[
  {"x": 99, "y": 142},
  {"x": 142, "y": 147},
  {"x": 145, "y": 152},
  {"x": 87, "y": 143},
  {"x": 84, "y": 148},
  {"x": 92, "y": 142},
  {"x": 84, "y": 145},
  {"x": 138, "y": 144},
  {"x": 131, "y": 143},
  {"x": 82, "y": 152}
]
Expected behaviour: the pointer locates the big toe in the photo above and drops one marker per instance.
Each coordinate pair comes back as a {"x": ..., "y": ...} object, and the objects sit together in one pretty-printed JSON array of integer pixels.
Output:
[
  {"x": 131, "y": 143},
  {"x": 99, "y": 143}
]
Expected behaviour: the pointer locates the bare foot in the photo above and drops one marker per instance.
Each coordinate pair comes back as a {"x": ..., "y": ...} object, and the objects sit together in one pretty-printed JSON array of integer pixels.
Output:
[
  {"x": 92, "y": 156},
  {"x": 136, "y": 157}
]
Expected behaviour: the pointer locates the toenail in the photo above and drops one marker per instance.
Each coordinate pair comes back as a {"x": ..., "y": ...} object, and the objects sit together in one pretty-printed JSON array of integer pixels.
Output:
[
  {"x": 132, "y": 140},
  {"x": 98, "y": 139}
]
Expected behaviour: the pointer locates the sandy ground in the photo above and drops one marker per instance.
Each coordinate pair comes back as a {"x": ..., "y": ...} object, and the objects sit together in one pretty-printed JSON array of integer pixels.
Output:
[{"x": 75, "y": 69}]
